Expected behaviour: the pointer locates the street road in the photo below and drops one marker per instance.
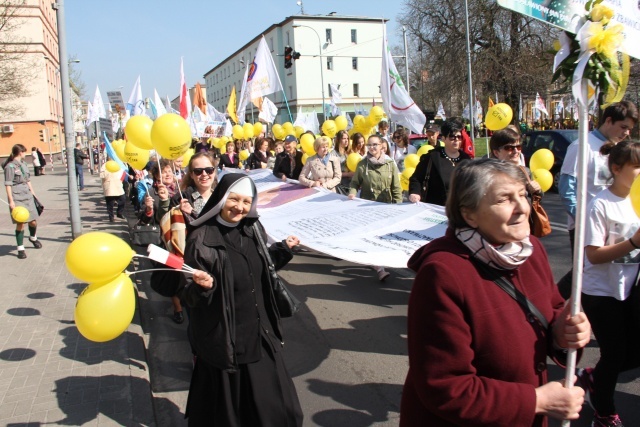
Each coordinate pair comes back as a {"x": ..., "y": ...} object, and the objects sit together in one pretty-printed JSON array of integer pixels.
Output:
[{"x": 346, "y": 349}]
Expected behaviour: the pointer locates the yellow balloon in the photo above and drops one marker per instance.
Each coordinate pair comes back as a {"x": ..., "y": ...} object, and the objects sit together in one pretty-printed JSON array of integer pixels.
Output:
[
  {"x": 214, "y": 142},
  {"x": 221, "y": 143},
  {"x": 298, "y": 131},
  {"x": 544, "y": 178},
  {"x": 498, "y": 117},
  {"x": 634, "y": 195},
  {"x": 112, "y": 166},
  {"x": 247, "y": 130},
  {"x": 138, "y": 131},
  {"x": 20, "y": 214},
  {"x": 411, "y": 161},
  {"x": 371, "y": 121},
  {"x": 98, "y": 257},
  {"x": 171, "y": 136},
  {"x": 359, "y": 122},
  {"x": 104, "y": 311},
  {"x": 238, "y": 132},
  {"x": 278, "y": 132},
  {"x": 288, "y": 128},
  {"x": 187, "y": 156},
  {"x": 306, "y": 141},
  {"x": 244, "y": 154},
  {"x": 118, "y": 147},
  {"x": 404, "y": 178},
  {"x": 136, "y": 156},
  {"x": 257, "y": 128},
  {"x": 329, "y": 128},
  {"x": 305, "y": 156},
  {"x": 541, "y": 159},
  {"x": 341, "y": 123},
  {"x": 377, "y": 113},
  {"x": 352, "y": 161},
  {"x": 424, "y": 149}
]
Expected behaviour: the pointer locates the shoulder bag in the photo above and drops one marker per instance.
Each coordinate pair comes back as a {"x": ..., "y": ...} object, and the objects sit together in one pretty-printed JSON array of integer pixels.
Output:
[
  {"x": 506, "y": 285},
  {"x": 38, "y": 205},
  {"x": 425, "y": 183},
  {"x": 145, "y": 234},
  {"x": 287, "y": 303},
  {"x": 538, "y": 218}
]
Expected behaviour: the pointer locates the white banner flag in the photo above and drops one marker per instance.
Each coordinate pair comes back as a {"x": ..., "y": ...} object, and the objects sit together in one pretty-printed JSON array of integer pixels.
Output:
[
  {"x": 540, "y": 105},
  {"x": 135, "y": 106},
  {"x": 269, "y": 111},
  {"x": 261, "y": 78},
  {"x": 396, "y": 101},
  {"x": 98, "y": 107}
]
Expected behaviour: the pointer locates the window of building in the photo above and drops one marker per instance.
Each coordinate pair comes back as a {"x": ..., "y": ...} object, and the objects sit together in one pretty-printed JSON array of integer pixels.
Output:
[
  {"x": 271, "y": 44},
  {"x": 354, "y": 36},
  {"x": 354, "y": 63},
  {"x": 234, "y": 68},
  {"x": 356, "y": 89},
  {"x": 329, "y": 38},
  {"x": 329, "y": 91},
  {"x": 288, "y": 43},
  {"x": 290, "y": 92},
  {"x": 329, "y": 62}
]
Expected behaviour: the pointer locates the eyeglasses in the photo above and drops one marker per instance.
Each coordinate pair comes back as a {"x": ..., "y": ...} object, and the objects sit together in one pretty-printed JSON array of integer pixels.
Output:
[
  {"x": 373, "y": 145},
  {"x": 459, "y": 136},
  {"x": 209, "y": 171},
  {"x": 512, "y": 148}
]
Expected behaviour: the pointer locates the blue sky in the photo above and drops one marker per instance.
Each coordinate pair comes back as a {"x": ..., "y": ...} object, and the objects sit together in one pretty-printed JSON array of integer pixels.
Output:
[{"x": 118, "y": 40}]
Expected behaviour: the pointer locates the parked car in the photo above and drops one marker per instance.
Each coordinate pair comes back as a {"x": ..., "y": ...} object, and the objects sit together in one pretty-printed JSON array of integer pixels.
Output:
[
  {"x": 555, "y": 140},
  {"x": 418, "y": 140}
]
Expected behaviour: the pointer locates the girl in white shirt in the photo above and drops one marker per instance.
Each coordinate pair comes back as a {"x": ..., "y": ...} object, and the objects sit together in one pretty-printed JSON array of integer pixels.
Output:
[
  {"x": 400, "y": 148},
  {"x": 610, "y": 295}
]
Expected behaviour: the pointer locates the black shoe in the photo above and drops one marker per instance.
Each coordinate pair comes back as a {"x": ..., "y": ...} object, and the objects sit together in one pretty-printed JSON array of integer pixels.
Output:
[
  {"x": 36, "y": 244},
  {"x": 22, "y": 254},
  {"x": 120, "y": 216},
  {"x": 178, "y": 317}
]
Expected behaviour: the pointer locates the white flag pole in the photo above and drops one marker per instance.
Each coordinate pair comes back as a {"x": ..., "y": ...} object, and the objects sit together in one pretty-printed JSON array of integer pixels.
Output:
[{"x": 578, "y": 247}]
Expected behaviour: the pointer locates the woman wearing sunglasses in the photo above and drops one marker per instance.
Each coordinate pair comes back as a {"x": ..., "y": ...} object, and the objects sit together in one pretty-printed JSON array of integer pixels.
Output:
[
  {"x": 505, "y": 145},
  {"x": 197, "y": 185},
  {"x": 430, "y": 182}
]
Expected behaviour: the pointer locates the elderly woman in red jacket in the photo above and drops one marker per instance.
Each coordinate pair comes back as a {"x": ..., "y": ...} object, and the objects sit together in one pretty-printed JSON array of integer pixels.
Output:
[{"x": 477, "y": 357}]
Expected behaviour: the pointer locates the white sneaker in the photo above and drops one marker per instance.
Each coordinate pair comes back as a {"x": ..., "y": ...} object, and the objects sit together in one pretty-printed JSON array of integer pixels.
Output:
[{"x": 382, "y": 275}]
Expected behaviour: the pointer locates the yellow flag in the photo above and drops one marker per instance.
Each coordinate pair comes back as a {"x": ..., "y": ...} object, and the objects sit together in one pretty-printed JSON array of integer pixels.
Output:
[
  {"x": 231, "y": 106},
  {"x": 491, "y": 103}
]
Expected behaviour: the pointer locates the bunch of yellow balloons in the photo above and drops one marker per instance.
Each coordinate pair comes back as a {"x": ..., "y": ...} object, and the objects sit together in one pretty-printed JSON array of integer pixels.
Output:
[
  {"x": 540, "y": 164},
  {"x": 366, "y": 125},
  {"x": 105, "y": 308}
]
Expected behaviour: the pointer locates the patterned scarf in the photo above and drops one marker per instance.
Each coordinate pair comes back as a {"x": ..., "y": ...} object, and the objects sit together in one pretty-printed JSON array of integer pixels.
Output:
[{"x": 507, "y": 256}]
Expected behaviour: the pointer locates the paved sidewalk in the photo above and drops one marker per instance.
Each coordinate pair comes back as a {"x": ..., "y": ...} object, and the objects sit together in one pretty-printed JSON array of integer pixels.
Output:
[{"x": 49, "y": 374}]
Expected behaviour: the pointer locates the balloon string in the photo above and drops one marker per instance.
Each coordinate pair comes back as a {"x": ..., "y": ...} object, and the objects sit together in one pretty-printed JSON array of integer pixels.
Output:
[
  {"x": 185, "y": 267},
  {"x": 1, "y": 200},
  {"x": 131, "y": 273},
  {"x": 176, "y": 178}
]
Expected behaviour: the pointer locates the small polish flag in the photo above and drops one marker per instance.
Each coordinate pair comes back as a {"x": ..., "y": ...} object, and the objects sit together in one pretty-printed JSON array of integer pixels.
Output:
[{"x": 162, "y": 256}]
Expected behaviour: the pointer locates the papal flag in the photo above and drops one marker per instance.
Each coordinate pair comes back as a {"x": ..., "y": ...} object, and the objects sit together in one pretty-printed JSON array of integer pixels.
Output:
[
  {"x": 261, "y": 78},
  {"x": 135, "y": 106},
  {"x": 540, "y": 105},
  {"x": 397, "y": 103},
  {"x": 441, "y": 113},
  {"x": 231, "y": 106}
]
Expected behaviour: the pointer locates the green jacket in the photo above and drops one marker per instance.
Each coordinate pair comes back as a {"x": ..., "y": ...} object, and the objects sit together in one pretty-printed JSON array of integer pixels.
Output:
[{"x": 380, "y": 183}]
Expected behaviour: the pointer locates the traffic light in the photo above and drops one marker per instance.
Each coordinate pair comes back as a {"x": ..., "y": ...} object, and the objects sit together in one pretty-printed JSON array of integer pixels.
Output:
[
  {"x": 41, "y": 132},
  {"x": 295, "y": 55},
  {"x": 288, "y": 54}
]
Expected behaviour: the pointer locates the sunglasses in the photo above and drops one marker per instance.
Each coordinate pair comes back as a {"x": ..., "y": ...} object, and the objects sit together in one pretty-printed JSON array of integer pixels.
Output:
[
  {"x": 512, "y": 148},
  {"x": 209, "y": 171},
  {"x": 452, "y": 137}
]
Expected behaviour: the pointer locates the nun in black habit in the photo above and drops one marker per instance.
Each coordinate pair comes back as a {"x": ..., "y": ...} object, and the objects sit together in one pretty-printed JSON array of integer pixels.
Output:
[{"x": 239, "y": 378}]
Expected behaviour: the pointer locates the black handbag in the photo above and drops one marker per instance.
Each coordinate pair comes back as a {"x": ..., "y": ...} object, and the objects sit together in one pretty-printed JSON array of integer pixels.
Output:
[
  {"x": 39, "y": 206},
  {"x": 287, "y": 303},
  {"x": 145, "y": 234}
]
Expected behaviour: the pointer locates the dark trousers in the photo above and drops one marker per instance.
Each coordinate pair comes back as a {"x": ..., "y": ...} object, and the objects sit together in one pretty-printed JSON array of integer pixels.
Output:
[
  {"x": 80, "y": 176},
  {"x": 111, "y": 200},
  {"x": 36, "y": 170},
  {"x": 616, "y": 325}
]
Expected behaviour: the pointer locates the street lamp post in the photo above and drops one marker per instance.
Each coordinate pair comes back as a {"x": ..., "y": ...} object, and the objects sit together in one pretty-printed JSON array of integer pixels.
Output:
[
  {"x": 324, "y": 115},
  {"x": 57, "y": 71},
  {"x": 74, "y": 202}
]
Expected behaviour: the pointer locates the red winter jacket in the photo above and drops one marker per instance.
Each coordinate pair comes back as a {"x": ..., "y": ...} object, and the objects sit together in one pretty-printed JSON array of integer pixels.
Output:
[{"x": 474, "y": 358}]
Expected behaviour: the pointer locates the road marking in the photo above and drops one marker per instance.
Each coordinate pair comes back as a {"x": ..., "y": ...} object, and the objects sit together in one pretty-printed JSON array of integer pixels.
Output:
[{"x": 558, "y": 226}]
